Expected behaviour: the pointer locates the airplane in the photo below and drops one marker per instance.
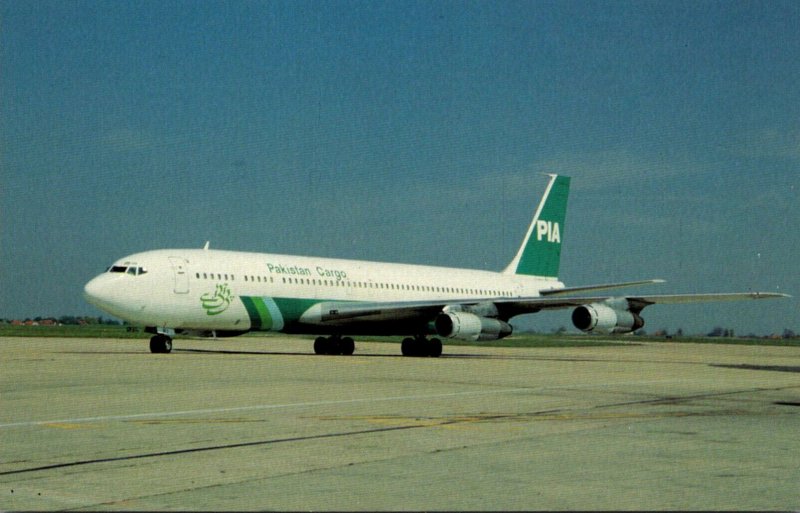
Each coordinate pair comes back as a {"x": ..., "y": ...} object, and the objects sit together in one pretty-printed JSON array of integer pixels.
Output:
[{"x": 216, "y": 293}]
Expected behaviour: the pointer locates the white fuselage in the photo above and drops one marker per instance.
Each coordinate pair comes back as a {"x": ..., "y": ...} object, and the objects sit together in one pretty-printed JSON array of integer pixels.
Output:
[{"x": 206, "y": 289}]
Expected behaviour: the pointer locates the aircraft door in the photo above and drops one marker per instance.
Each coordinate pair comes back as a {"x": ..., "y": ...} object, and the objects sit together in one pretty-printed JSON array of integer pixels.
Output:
[{"x": 179, "y": 268}]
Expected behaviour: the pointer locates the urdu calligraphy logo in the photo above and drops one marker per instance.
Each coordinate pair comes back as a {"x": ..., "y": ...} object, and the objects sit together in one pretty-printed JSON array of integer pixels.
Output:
[{"x": 219, "y": 301}]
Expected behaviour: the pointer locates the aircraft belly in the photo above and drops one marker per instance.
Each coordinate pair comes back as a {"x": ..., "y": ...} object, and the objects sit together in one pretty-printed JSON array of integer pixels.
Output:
[{"x": 363, "y": 328}]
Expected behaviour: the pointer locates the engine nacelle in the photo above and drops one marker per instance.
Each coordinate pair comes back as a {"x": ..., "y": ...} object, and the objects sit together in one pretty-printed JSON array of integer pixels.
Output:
[
  {"x": 467, "y": 326},
  {"x": 602, "y": 318}
]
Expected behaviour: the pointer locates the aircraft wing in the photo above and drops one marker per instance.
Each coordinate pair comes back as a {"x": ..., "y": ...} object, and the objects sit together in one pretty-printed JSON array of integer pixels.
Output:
[
  {"x": 344, "y": 314},
  {"x": 588, "y": 288},
  {"x": 637, "y": 303},
  {"x": 673, "y": 299},
  {"x": 340, "y": 313}
]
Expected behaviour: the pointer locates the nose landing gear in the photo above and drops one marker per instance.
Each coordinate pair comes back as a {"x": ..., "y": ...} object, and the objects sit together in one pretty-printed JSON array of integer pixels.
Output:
[{"x": 161, "y": 344}]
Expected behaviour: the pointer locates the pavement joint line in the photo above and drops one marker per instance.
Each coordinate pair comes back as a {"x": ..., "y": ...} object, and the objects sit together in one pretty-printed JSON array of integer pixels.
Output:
[
  {"x": 156, "y": 415},
  {"x": 404, "y": 427}
]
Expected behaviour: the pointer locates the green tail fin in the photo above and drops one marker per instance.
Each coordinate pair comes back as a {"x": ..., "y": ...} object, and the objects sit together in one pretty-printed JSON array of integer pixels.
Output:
[{"x": 540, "y": 253}]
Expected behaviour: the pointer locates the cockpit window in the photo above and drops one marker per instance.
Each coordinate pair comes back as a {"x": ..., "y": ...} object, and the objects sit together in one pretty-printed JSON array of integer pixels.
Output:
[{"x": 132, "y": 269}]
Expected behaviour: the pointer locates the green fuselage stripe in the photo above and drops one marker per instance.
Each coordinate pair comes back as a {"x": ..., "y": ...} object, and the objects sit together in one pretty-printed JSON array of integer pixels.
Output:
[
  {"x": 292, "y": 308},
  {"x": 263, "y": 312},
  {"x": 260, "y": 318}
]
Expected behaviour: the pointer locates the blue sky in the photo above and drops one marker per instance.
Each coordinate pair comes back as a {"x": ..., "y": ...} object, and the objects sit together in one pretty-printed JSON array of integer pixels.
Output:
[{"x": 406, "y": 131}]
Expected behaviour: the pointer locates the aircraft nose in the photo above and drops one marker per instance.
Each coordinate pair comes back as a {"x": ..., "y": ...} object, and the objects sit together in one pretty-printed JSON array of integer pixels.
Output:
[
  {"x": 112, "y": 293},
  {"x": 97, "y": 291}
]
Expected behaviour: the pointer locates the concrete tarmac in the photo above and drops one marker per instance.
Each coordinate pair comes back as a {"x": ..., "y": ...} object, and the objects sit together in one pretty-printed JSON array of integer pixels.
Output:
[{"x": 263, "y": 423}]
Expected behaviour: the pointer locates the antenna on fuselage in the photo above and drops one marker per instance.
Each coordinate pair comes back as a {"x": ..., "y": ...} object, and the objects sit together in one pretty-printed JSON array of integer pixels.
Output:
[{"x": 205, "y": 248}]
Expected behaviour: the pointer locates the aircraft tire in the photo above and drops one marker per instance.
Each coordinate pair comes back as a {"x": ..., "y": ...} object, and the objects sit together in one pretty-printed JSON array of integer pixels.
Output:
[
  {"x": 321, "y": 345},
  {"x": 347, "y": 346},
  {"x": 160, "y": 344},
  {"x": 408, "y": 347},
  {"x": 435, "y": 348}
]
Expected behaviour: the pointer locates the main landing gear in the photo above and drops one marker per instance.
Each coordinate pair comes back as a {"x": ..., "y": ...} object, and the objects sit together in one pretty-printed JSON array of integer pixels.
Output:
[
  {"x": 421, "y": 346},
  {"x": 161, "y": 344},
  {"x": 417, "y": 346},
  {"x": 334, "y": 345}
]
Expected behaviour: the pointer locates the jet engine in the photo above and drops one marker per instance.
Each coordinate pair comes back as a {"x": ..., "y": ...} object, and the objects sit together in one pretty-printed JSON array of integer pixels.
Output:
[
  {"x": 467, "y": 326},
  {"x": 603, "y": 318}
]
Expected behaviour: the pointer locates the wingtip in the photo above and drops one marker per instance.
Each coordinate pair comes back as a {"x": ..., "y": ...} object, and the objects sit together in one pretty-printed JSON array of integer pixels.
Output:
[{"x": 769, "y": 295}]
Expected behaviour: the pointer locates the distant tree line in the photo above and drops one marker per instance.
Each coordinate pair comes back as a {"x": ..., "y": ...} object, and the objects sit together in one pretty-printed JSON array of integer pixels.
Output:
[
  {"x": 68, "y": 320},
  {"x": 718, "y": 331}
]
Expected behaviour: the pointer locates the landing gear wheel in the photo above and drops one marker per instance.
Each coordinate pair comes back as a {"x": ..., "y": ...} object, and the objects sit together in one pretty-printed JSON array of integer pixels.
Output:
[
  {"x": 408, "y": 347},
  {"x": 161, "y": 344},
  {"x": 435, "y": 348},
  {"x": 347, "y": 346},
  {"x": 334, "y": 345},
  {"x": 421, "y": 346},
  {"x": 321, "y": 345}
]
